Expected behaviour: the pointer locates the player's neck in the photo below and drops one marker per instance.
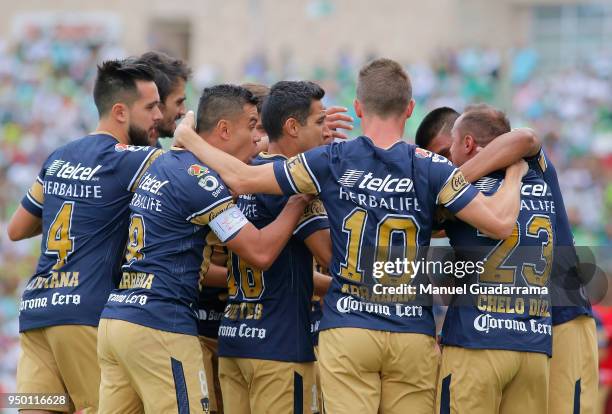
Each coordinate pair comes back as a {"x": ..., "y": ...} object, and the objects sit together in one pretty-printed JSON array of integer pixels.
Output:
[
  {"x": 383, "y": 132},
  {"x": 118, "y": 133},
  {"x": 282, "y": 146}
]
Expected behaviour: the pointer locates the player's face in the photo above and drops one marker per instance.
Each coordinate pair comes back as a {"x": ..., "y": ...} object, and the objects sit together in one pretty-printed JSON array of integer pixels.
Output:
[
  {"x": 144, "y": 114},
  {"x": 173, "y": 109},
  {"x": 457, "y": 154},
  {"x": 243, "y": 138},
  {"x": 259, "y": 131},
  {"x": 314, "y": 132},
  {"x": 441, "y": 144}
]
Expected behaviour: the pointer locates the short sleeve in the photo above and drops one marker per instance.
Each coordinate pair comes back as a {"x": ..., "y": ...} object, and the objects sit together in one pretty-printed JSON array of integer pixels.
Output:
[
  {"x": 135, "y": 163},
  {"x": 303, "y": 173},
  {"x": 34, "y": 199},
  {"x": 314, "y": 219},
  {"x": 450, "y": 186}
]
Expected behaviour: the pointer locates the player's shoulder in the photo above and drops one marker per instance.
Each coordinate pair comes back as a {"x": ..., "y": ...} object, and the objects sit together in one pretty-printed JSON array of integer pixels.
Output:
[
  {"x": 193, "y": 174},
  {"x": 87, "y": 149},
  {"x": 425, "y": 157},
  {"x": 266, "y": 158},
  {"x": 92, "y": 142},
  {"x": 101, "y": 145}
]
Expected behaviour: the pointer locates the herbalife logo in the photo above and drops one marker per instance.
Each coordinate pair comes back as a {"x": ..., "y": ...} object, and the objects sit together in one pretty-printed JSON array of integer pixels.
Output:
[{"x": 350, "y": 178}]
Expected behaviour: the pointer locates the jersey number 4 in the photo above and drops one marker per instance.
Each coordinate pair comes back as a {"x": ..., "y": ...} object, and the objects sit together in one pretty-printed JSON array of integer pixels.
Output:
[{"x": 59, "y": 240}]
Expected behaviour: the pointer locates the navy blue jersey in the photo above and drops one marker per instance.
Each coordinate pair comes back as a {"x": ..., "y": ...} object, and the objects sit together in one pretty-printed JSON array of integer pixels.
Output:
[
  {"x": 179, "y": 211},
  {"x": 376, "y": 199},
  {"x": 268, "y": 312},
  {"x": 519, "y": 319},
  {"x": 567, "y": 289},
  {"x": 82, "y": 195}
]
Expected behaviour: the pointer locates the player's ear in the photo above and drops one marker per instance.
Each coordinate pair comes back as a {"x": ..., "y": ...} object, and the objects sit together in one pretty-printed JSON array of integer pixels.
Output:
[
  {"x": 409, "y": 109},
  {"x": 358, "y": 110},
  {"x": 291, "y": 127},
  {"x": 120, "y": 113},
  {"x": 223, "y": 129},
  {"x": 469, "y": 144}
]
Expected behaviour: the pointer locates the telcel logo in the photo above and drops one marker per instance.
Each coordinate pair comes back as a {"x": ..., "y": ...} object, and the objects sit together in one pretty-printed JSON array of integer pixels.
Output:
[
  {"x": 387, "y": 184},
  {"x": 536, "y": 190},
  {"x": 151, "y": 184},
  {"x": 63, "y": 169}
]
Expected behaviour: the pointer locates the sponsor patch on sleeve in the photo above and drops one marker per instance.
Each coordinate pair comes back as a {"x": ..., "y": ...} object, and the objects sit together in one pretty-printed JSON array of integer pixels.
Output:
[{"x": 453, "y": 187}]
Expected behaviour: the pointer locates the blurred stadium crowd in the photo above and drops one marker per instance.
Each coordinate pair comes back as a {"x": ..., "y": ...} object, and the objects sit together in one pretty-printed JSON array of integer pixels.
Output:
[{"x": 47, "y": 77}]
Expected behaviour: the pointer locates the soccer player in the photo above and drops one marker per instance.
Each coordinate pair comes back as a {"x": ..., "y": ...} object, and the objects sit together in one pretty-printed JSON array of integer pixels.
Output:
[
  {"x": 573, "y": 366},
  {"x": 171, "y": 75},
  {"x": 260, "y": 92},
  {"x": 148, "y": 347},
  {"x": 265, "y": 343},
  {"x": 434, "y": 131},
  {"x": 377, "y": 191},
  {"x": 213, "y": 296},
  {"x": 496, "y": 346},
  {"x": 79, "y": 202}
]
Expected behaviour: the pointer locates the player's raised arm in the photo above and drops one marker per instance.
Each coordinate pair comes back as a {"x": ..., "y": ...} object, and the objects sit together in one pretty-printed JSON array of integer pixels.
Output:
[
  {"x": 23, "y": 225},
  {"x": 261, "y": 247},
  {"x": 26, "y": 222},
  {"x": 240, "y": 177},
  {"x": 502, "y": 152},
  {"x": 496, "y": 217}
]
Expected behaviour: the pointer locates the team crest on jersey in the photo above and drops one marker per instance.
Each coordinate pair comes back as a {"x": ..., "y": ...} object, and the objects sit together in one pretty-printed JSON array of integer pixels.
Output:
[
  {"x": 197, "y": 170},
  {"x": 422, "y": 153}
]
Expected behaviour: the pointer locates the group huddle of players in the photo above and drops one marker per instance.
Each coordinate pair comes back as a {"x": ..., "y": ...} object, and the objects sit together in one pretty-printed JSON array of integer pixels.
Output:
[{"x": 190, "y": 280}]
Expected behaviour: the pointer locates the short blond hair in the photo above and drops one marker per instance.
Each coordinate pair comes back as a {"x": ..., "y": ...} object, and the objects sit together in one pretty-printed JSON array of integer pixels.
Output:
[{"x": 384, "y": 88}]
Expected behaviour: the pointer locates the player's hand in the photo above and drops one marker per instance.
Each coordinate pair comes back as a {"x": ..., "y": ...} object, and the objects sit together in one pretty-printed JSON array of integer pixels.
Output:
[
  {"x": 300, "y": 201},
  {"x": 336, "y": 118},
  {"x": 519, "y": 168},
  {"x": 262, "y": 145},
  {"x": 184, "y": 130}
]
